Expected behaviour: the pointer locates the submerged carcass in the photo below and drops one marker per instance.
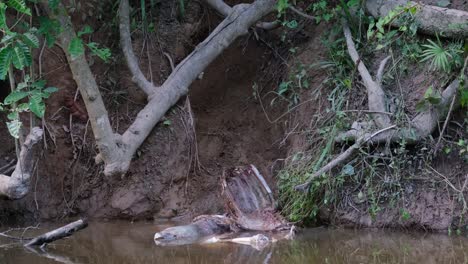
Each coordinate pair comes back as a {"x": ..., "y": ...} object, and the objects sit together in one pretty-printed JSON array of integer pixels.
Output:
[{"x": 250, "y": 207}]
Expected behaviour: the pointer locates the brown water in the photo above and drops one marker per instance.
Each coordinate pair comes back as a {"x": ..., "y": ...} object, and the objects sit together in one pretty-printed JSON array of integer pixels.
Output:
[{"x": 121, "y": 242}]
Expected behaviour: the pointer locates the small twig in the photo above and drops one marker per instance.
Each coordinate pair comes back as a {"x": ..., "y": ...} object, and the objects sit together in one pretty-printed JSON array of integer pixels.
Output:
[
  {"x": 299, "y": 12},
  {"x": 368, "y": 111},
  {"x": 436, "y": 148},
  {"x": 169, "y": 58},
  {"x": 9, "y": 164}
]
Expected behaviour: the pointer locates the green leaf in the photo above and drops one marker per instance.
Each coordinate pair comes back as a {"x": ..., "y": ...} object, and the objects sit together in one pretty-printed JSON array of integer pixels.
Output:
[
  {"x": 26, "y": 51},
  {"x": 292, "y": 24},
  {"x": 37, "y": 106},
  {"x": 20, "y": 6},
  {"x": 15, "y": 96},
  {"x": 30, "y": 39},
  {"x": 86, "y": 30},
  {"x": 76, "y": 48},
  {"x": 3, "y": 24},
  {"x": 13, "y": 115},
  {"x": 39, "y": 84},
  {"x": 49, "y": 28},
  {"x": 50, "y": 90},
  {"x": 421, "y": 106},
  {"x": 18, "y": 58},
  {"x": 5, "y": 61},
  {"x": 8, "y": 37},
  {"x": 282, "y": 5},
  {"x": 53, "y": 4},
  {"x": 103, "y": 53},
  {"x": 167, "y": 122},
  {"x": 464, "y": 97},
  {"x": 14, "y": 128},
  {"x": 22, "y": 107}
]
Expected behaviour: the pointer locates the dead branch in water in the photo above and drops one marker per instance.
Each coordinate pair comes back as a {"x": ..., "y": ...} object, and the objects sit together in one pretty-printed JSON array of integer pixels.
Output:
[{"x": 59, "y": 233}]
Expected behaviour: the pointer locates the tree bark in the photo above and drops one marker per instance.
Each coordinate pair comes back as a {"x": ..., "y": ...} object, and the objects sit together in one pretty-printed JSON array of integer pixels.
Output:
[
  {"x": 58, "y": 233},
  {"x": 106, "y": 141},
  {"x": 17, "y": 185},
  {"x": 430, "y": 19}
]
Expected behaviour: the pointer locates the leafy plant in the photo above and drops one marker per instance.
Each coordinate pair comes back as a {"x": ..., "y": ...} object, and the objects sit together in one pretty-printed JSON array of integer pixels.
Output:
[
  {"x": 431, "y": 97},
  {"x": 77, "y": 47},
  {"x": 35, "y": 92},
  {"x": 441, "y": 58}
]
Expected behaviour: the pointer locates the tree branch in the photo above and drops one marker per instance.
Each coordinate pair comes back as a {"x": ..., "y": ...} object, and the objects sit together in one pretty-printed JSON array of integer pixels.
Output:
[
  {"x": 421, "y": 126},
  {"x": 375, "y": 94},
  {"x": 17, "y": 186},
  {"x": 105, "y": 138},
  {"x": 430, "y": 19},
  {"x": 59, "y": 233},
  {"x": 127, "y": 49},
  {"x": 224, "y": 9}
]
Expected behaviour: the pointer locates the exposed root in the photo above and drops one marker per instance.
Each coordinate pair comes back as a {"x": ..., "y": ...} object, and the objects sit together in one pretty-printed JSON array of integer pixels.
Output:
[
  {"x": 17, "y": 186},
  {"x": 375, "y": 94}
]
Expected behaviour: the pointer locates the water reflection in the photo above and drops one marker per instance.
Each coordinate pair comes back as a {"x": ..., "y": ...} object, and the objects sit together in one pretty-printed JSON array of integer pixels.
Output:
[{"x": 133, "y": 243}]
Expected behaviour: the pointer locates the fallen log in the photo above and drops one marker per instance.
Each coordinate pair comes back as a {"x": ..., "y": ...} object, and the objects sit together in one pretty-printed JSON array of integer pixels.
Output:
[
  {"x": 59, "y": 233},
  {"x": 431, "y": 20}
]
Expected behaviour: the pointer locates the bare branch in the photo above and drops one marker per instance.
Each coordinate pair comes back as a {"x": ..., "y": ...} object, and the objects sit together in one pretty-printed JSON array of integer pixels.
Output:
[
  {"x": 219, "y": 5},
  {"x": 299, "y": 12},
  {"x": 17, "y": 186},
  {"x": 421, "y": 126},
  {"x": 381, "y": 70},
  {"x": 341, "y": 158},
  {"x": 58, "y": 233},
  {"x": 375, "y": 94},
  {"x": 127, "y": 48}
]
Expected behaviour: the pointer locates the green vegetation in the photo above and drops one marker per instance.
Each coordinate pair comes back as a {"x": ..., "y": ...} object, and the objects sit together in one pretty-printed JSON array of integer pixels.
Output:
[{"x": 16, "y": 49}]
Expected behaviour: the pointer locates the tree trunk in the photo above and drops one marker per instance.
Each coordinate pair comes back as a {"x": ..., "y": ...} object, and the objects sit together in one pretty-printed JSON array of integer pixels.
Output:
[{"x": 431, "y": 20}]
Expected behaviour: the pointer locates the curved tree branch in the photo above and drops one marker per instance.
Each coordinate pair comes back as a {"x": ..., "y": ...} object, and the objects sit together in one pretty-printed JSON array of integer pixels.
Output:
[
  {"x": 375, "y": 94},
  {"x": 127, "y": 48},
  {"x": 17, "y": 185}
]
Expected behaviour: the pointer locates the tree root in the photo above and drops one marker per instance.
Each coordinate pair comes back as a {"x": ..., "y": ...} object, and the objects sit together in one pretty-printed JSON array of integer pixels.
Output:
[{"x": 17, "y": 186}]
